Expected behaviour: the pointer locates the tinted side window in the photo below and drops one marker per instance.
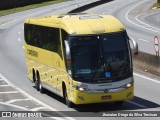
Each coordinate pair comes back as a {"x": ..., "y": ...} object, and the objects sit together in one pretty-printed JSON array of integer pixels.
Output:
[{"x": 43, "y": 37}]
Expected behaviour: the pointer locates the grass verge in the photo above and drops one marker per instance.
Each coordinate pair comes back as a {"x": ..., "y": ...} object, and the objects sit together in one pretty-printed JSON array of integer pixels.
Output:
[
  {"x": 19, "y": 9},
  {"x": 156, "y": 6}
]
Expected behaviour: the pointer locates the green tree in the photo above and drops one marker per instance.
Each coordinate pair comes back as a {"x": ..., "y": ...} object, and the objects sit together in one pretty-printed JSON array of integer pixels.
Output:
[{"x": 158, "y": 1}]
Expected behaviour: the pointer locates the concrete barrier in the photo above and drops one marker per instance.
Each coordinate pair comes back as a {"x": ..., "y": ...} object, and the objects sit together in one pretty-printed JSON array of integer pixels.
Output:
[{"x": 147, "y": 62}]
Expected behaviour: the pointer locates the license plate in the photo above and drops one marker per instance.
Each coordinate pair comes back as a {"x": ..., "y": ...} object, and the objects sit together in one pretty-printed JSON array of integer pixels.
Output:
[{"x": 108, "y": 97}]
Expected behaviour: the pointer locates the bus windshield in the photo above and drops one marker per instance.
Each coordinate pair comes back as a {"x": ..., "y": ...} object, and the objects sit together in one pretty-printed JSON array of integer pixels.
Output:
[
  {"x": 85, "y": 55},
  {"x": 116, "y": 56},
  {"x": 100, "y": 58}
]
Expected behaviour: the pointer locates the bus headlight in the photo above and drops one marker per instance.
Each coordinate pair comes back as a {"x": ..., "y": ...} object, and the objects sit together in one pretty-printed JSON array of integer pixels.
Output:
[
  {"x": 128, "y": 85},
  {"x": 82, "y": 88}
]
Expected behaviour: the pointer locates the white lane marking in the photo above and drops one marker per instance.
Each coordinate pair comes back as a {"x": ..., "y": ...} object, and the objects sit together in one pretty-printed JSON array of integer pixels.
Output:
[
  {"x": 17, "y": 100},
  {"x": 147, "y": 78},
  {"x": 137, "y": 104},
  {"x": 19, "y": 39},
  {"x": 38, "y": 108},
  {"x": 24, "y": 16},
  {"x": 8, "y": 22},
  {"x": 143, "y": 40},
  {"x": 57, "y": 118},
  {"x": 9, "y": 92},
  {"x": 4, "y": 85},
  {"x": 135, "y": 23},
  {"x": 36, "y": 100},
  {"x": 19, "y": 32},
  {"x": 147, "y": 25},
  {"x": 2, "y": 20},
  {"x": 23, "y": 108}
]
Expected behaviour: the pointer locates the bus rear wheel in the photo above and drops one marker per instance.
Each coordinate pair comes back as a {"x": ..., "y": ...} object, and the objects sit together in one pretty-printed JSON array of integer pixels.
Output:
[
  {"x": 41, "y": 89},
  {"x": 33, "y": 76},
  {"x": 37, "y": 84}
]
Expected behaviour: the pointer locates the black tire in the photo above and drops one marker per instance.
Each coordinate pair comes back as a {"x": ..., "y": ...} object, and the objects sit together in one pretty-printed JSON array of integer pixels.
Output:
[
  {"x": 37, "y": 84},
  {"x": 41, "y": 89},
  {"x": 68, "y": 103},
  {"x": 33, "y": 76},
  {"x": 119, "y": 103},
  {"x": 37, "y": 81}
]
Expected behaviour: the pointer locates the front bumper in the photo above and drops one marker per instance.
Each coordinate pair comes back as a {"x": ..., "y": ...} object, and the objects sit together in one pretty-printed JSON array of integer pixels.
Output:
[{"x": 87, "y": 98}]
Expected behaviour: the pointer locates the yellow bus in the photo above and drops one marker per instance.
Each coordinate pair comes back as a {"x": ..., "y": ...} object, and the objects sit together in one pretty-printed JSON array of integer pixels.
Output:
[{"x": 84, "y": 58}]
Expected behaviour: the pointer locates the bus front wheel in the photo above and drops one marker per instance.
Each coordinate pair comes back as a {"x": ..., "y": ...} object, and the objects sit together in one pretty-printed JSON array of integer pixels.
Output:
[{"x": 68, "y": 103}]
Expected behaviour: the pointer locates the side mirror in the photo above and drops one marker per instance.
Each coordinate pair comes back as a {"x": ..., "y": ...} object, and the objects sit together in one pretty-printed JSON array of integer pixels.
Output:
[
  {"x": 67, "y": 48},
  {"x": 68, "y": 56},
  {"x": 134, "y": 46}
]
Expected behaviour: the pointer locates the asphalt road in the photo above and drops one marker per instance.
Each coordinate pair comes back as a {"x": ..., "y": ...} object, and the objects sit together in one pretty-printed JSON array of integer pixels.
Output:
[
  {"x": 18, "y": 93},
  {"x": 153, "y": 19}
]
